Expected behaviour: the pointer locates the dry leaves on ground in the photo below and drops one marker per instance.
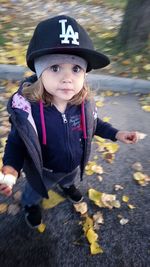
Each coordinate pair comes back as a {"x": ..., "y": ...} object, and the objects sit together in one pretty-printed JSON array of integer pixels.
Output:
[{"x": 103, "y": 200}]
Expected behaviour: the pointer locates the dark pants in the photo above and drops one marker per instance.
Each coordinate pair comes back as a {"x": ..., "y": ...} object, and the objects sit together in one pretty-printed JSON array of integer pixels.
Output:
[{"x": 31, "y": 197}]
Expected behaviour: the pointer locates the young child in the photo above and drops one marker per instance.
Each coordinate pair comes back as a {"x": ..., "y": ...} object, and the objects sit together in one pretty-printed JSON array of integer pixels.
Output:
[{"x": 53, "y": 117}]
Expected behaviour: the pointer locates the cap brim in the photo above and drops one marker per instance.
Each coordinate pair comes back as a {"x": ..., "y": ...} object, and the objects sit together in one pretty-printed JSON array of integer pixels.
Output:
[{"x": 95, "y": 59}]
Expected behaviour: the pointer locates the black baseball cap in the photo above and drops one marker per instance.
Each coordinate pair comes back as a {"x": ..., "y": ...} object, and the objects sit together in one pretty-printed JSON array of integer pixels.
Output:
[{"x": 63, "y": 35}]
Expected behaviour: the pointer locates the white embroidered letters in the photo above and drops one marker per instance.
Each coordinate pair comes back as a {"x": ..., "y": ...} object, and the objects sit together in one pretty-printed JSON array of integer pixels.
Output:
[{"x": 68, "y": 33}]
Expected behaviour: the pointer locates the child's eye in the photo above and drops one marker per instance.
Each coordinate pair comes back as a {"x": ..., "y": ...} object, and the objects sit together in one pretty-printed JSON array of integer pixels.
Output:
[
  {"x": 55, "y": 68},
  {"x": 77, "y": 68}
]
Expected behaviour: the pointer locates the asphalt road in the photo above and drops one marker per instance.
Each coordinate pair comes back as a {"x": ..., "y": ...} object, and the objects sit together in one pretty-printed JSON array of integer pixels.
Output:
[{"x": 63, "y": 243}]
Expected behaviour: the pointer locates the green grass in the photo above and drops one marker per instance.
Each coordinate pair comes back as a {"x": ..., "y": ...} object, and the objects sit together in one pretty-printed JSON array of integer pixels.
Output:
[{"x": 3, "y": 30}]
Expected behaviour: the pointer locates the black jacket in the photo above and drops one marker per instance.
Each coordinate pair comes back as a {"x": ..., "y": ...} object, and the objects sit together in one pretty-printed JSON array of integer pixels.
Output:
[{"x": 33, "y": 158}]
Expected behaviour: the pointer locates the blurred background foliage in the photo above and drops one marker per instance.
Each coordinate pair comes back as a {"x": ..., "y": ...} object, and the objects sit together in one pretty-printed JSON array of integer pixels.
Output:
[{"x": 111, "y": 24}]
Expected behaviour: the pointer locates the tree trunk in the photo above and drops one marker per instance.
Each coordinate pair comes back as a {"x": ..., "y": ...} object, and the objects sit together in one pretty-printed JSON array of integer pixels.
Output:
[{"x": 135, "y": 29}]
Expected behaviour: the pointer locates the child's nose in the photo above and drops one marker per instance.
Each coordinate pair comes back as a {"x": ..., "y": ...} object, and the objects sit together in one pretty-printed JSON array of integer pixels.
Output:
[{"x": 67, "y": 76}]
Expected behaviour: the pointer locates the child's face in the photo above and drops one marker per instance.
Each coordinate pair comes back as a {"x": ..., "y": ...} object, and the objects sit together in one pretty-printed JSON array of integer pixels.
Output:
[{"x": 63, "y": 81}]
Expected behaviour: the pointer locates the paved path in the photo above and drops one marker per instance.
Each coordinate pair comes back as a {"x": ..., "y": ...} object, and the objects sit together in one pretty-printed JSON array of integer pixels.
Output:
[
  {"x": 63, "y": 243},
  {"x": 97, "y": 82}
]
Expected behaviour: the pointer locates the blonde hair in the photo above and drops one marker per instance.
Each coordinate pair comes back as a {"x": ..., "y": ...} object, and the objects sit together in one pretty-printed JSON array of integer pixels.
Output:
[{"x": 35, "y": 92}]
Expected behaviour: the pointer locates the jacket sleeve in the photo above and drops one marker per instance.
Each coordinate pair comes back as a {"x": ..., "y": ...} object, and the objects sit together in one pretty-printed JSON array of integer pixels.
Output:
[
  {"x": 15, "y": 150},
  {"x": 105, "y": 130}
]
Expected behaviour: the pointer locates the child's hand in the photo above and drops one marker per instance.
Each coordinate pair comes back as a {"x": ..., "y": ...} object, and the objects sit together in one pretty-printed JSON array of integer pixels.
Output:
[
  {"x": 8, "y": 178},
  {"x": 127, "y": 137},
  {"x": 5, "y": 190}
]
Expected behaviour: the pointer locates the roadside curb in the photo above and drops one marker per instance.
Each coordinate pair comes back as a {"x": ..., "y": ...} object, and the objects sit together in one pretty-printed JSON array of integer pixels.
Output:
[{"x": 97, "y": 82}]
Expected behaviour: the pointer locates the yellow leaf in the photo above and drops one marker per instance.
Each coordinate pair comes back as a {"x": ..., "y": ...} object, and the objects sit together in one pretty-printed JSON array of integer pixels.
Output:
[
  {"x": 54, "y": 200},
  {"x": 109, "y": 93},
  {"x": 111, "y": 147},
  {"x": 89, "y": 165},
  {"x": 95, "y": 248},
  {"x": 139, "y": 176},
  {"x": 116, "y": 204},
  {"x": 94, "y": 195},
  {"x": 81, "y": 207},
  {"x": 91, "y": 236},
  {"x": 146, "y": 108},
  {"x": 106, "y": 119},
  {"x": 125, "y": 198},
  {"x": 131, "y": 206},
  {"x": 89, "y": 172},
  {"x": 99, "y": 104},
  {"x": 102, "y": 199},
  {"x": 100, "y": 139},
  {"x": 146, "y": 67},
  {"x": 97, "y": 169},
  {"x": 87, "y": 224},
  {"x": 3, "y": 207},
  {"x": 41, "y": 227}
]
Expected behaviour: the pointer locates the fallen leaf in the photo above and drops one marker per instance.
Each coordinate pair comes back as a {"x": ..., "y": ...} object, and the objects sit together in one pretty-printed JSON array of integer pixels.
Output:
[
  {"x": 102, "y": 199},
  {"x": 137, "y": 166},
  {"x": 91, "y": 236},
  {"x": 109, "y": 157},
  {"x": 146, "y": 108},
  {"x": 106, "y": 119},
  {"x": 116, "y": 204},
  {"x": 141, "y": 178},
  {"x": 95, "y": 248},
  {"x": 146, "y": 67},
  {"x": 88, "y": 223},
  {"x": 125, "y": 198},
  {"x": 41, "y": 228},
  {"x": 100, "y": 178},
  {"x": 124, "y": 221},
  {"x": 109, "y": 93},
  {"x": 98, "y": 218},
  {"x": 118, "y": 187},
  {"x": 111, "y": 147},
  {"x": 54, "y": 200},
  {"x": 131, "y": 206},
  {"x": 97, "y": 169},
  {"x": 81, "y": 207},
  {"x": 126, "y": 62},
  {"x": 3, "y": 208},
  {"x": 92, "y": 168},
  {"x": 141, "y": 135},
  {"x": 99, "y": 104},
  {"x": 99, "y": 139}
]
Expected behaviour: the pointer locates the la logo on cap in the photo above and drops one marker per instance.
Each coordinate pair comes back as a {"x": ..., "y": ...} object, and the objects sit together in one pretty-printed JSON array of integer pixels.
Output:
[{"x": 68, "y": 33}]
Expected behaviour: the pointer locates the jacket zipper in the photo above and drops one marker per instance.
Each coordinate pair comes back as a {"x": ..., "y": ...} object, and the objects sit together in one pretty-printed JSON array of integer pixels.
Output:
[
  {"x": 64, "y": 118},
  {"x": 65, "y": 121}
]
